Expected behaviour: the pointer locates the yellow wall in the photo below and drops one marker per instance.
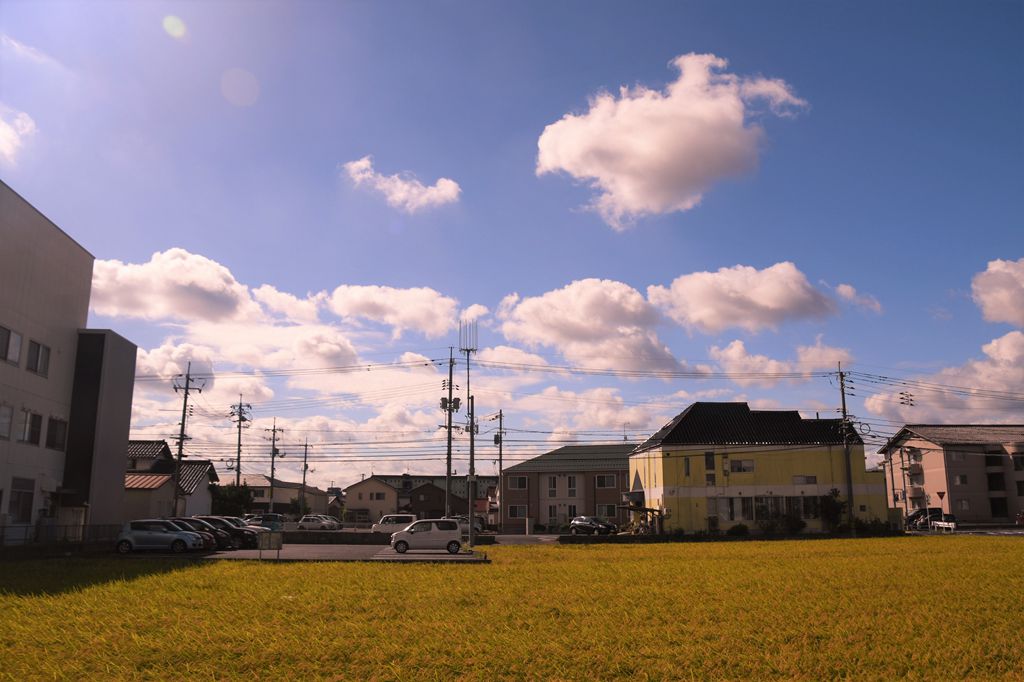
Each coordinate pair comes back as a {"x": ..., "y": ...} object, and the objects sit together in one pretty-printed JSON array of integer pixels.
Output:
[{"x": 686, "y": 499}]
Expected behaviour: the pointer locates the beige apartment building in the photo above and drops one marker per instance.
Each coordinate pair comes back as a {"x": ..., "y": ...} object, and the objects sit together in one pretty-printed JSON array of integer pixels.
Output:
[
  {"x": 65, "y": 391},
  {"x": 974, "y": 471}
]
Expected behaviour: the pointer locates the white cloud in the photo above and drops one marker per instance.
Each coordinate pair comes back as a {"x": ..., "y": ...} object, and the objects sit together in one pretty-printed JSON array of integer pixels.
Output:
[
  {"x": 999, "y": 291},
  {"x": 1002, "y": 370},
  {"x": 174, "y": 284},
  {"x": 510, "y": 355},
  {"x": 734, "y": 358},
  {"x": 15, "y": 128},
  {"x": 20, "y": 50},
  {"x": 741, "y": 296},
  {"x": 419, "y": 308},
  {"x": 593, "y": 322},
  {"x": 291, "y": 307},
  {"x": 650, "y": 152},
  {"x": 848, "y": 293},
  {"x": 402, "y": 191},
  {"x": 473, "y": 313}
]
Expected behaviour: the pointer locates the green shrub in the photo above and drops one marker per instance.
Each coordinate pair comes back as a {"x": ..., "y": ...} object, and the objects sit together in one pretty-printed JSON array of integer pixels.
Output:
[{"x": 740, "y": 530}]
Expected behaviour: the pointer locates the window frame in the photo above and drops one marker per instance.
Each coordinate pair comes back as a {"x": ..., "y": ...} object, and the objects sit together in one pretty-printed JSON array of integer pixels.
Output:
[
  {"x": 5, "y": 347},
  {"x": 570, "y": 481},
  {"x": 513, "y": 480},
  {"x": 9, "y": 422},
  {"x": 37, "y": 359},
  {"x": 597, "y": 481},
  {"x": 21, "y": 500},
  {"x": 56, "y": 426},
  {"x": 514, "y": 508},
  {"x": 30, "y": 435}
]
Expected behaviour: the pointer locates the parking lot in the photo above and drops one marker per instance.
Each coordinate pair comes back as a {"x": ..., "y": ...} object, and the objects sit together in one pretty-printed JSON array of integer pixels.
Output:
[{"x": 375, "y": 553}]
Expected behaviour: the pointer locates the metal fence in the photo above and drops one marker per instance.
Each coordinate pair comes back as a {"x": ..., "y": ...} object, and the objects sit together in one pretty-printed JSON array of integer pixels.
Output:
[{"x": 54, "y": 535}]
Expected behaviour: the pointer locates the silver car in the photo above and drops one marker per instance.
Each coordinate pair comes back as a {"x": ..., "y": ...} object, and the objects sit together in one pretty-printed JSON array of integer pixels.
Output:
[{"x": 156, "y": 534}]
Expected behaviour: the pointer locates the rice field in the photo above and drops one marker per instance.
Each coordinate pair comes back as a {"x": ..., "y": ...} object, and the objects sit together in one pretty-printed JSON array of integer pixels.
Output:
[{"x": 937, "y": 607}]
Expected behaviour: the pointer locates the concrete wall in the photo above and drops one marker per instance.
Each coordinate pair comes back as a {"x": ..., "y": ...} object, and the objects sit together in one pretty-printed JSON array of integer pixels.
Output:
[
  {"x": 148, "y": 504},
  {"x": 45, "y": 281}
]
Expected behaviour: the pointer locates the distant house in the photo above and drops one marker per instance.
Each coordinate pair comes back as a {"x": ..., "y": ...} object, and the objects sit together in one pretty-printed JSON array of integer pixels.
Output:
[
  {"x": 974, "y": 471},
  {"x": 426, "y": 501},
  {"x": 371, "y": 498},
  {"x": 575, "y": 480},
  {"x": 284, "y": 492},
  {"x": 149, "y": 482},
  {"x": 716, "y": 465}
]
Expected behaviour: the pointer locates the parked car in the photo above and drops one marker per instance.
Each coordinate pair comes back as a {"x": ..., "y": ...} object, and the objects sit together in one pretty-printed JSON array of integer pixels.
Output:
[
  {"x": 429, "y": 534},
  {"x": 316, "y": 522},
  {"x": 478, "y": 523},
  {"x": 268, "y": 521},
  {"x": 389, "y": 523},
  {"x": 223, "y": 538},
  {"x": 335, "y": 523},
  {"x": 934, "y": 514},
  {"x": 242, "y": 537},
  {"x": 156, "y": 534},
  {"x": 916, "y": 515},
  {"x": 591, "y": 525},
  {"x": 209, "y": 542}
]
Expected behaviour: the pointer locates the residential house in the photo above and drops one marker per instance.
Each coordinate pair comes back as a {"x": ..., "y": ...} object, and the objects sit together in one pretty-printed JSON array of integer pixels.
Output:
[
  {"x": 974, "y": 471},
  {"x": 284, "y": 494},
  {"x": 149, "y": 482},
  {"x": 65, "y": 391},
  {"x": 575, "y": 480},
  {"x": 371, "y": 498},
  {"x": 716, "y": 465},
  {"x": 427, "y": 501}
]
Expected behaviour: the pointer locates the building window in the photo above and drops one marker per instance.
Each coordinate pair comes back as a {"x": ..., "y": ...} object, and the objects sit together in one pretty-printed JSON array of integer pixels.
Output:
[
  {"x": 517, "y": 483},
  {"x": 963, "y": 505},
  {"x": 10, "y": 346},
  {"x": 805, "y": 480},
  {"x": 741, "y": 465},
  {"x": 960, "y": 479},
  {"x": 20, "y": 506},
  {"x": 360, "y": 496},
  {"x": 258, "y": 493},
  {"x": 709, "y": 479},
  {"x": 517, "y": 511},
  {"x": 552, "y": 513},
  {"x": 605, "y": 481},
  {"x": 1020, "y": 488},
  {"x": 38, "y": 360},
  {"x": 31, "y": 429},
  {"x": 999, "y": 507},
  {"x": 56, "y": 434},
  {"x": 686, "y": 467},
  {"x": 376, "y": 496},
  {"x": 572, "y": 511},
  {"x": 1018, "y": 462},
  {"x": 709, "y": 461},
  {"x": 552, "y": 486},
  {"x": 572, "y": 487},
  {"x": 6, "y": 421},
  {"x": 993, "y": 460},
  {"x": 607, "y": 511},
  {"x": 747, "y": 508},
  {"x": 996, "y": 482}
]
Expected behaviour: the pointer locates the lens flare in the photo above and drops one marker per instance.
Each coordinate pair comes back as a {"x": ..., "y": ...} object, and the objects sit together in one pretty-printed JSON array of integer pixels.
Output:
[
  {"x": 174, "y": 26},
  {"x": 239, "y": 87}
]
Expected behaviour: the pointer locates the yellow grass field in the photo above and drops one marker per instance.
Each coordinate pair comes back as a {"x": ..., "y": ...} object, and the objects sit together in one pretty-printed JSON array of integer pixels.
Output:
[{"x": 935, "y": 608}]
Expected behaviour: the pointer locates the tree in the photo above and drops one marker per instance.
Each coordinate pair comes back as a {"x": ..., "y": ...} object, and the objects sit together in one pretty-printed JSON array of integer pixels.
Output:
[
  {"x": 231, "y": 500},
  {"x": 295, "y": 508},
  {"x": 832, "y": 509}
]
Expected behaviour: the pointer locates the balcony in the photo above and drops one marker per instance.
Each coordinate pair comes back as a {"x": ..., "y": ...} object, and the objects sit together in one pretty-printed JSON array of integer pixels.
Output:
[{"x": 915, "y": 491}]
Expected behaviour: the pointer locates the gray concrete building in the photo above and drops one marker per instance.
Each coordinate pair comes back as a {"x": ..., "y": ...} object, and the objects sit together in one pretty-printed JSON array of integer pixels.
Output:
[{"x": 65, "y": 391}]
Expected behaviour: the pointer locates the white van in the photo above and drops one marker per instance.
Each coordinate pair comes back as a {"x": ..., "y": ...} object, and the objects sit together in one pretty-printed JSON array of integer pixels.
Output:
[
  {"x": 389, "y": 523},
  {"x": 429, "y": 534}
]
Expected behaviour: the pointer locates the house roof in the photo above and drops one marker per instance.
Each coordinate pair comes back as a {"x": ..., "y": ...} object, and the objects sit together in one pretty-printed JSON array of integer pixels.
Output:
[
  {"x": 960, "y": 434},
  {"x": 736, "y": 424},
  {"x": 194, "y": 473},
  {"x": 263, "y": 481},
  {"x": 578, "y": 458},
  {"x": 145, "y": 481},
  {"x": 404, "y": 483},
  {"x": 148, "y": 449}
]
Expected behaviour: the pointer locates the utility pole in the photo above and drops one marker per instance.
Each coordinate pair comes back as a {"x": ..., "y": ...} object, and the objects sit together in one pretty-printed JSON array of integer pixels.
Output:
[
  {"x": 273, "y": 455},
  {"x": 467, "y": 344},
  {"x": 305, "y": 467},
  {"x": 499, "y": 440},
  {"x": 181, "y": 434},
  {"x": 846, "y": 444},
  {"x": 242, "y": 412},
  {"x": 449, "y": 405}
]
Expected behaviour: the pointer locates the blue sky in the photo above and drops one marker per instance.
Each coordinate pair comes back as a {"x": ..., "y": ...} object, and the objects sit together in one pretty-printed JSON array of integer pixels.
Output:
[{"x": 878, "y": 146}]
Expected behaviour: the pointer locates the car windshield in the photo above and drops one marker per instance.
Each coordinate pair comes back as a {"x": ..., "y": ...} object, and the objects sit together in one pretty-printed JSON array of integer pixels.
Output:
[
  {"x": 183, "y": 524},
  {"x": 239, "y": 523}
]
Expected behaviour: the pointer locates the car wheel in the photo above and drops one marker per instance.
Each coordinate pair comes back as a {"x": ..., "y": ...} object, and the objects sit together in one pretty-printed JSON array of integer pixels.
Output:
[
  {"x": 401, "y": 546},
  {"x": 574, "y": 531},
  {"x": 454, "y": 547},
  {"x": 178, "y": 546},
  {"x": 124, "y": 547}
]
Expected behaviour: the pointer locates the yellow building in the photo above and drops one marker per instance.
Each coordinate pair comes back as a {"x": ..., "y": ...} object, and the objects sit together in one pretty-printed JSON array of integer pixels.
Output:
[{"x": 717, "y": 465}]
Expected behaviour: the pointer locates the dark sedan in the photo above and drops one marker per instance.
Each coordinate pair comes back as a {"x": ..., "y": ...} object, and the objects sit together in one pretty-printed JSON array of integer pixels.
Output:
[
  {"x": 591, "y": 525},
  {"x": 220, "y": 537},
  {"x": 241, "y": 537}
]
